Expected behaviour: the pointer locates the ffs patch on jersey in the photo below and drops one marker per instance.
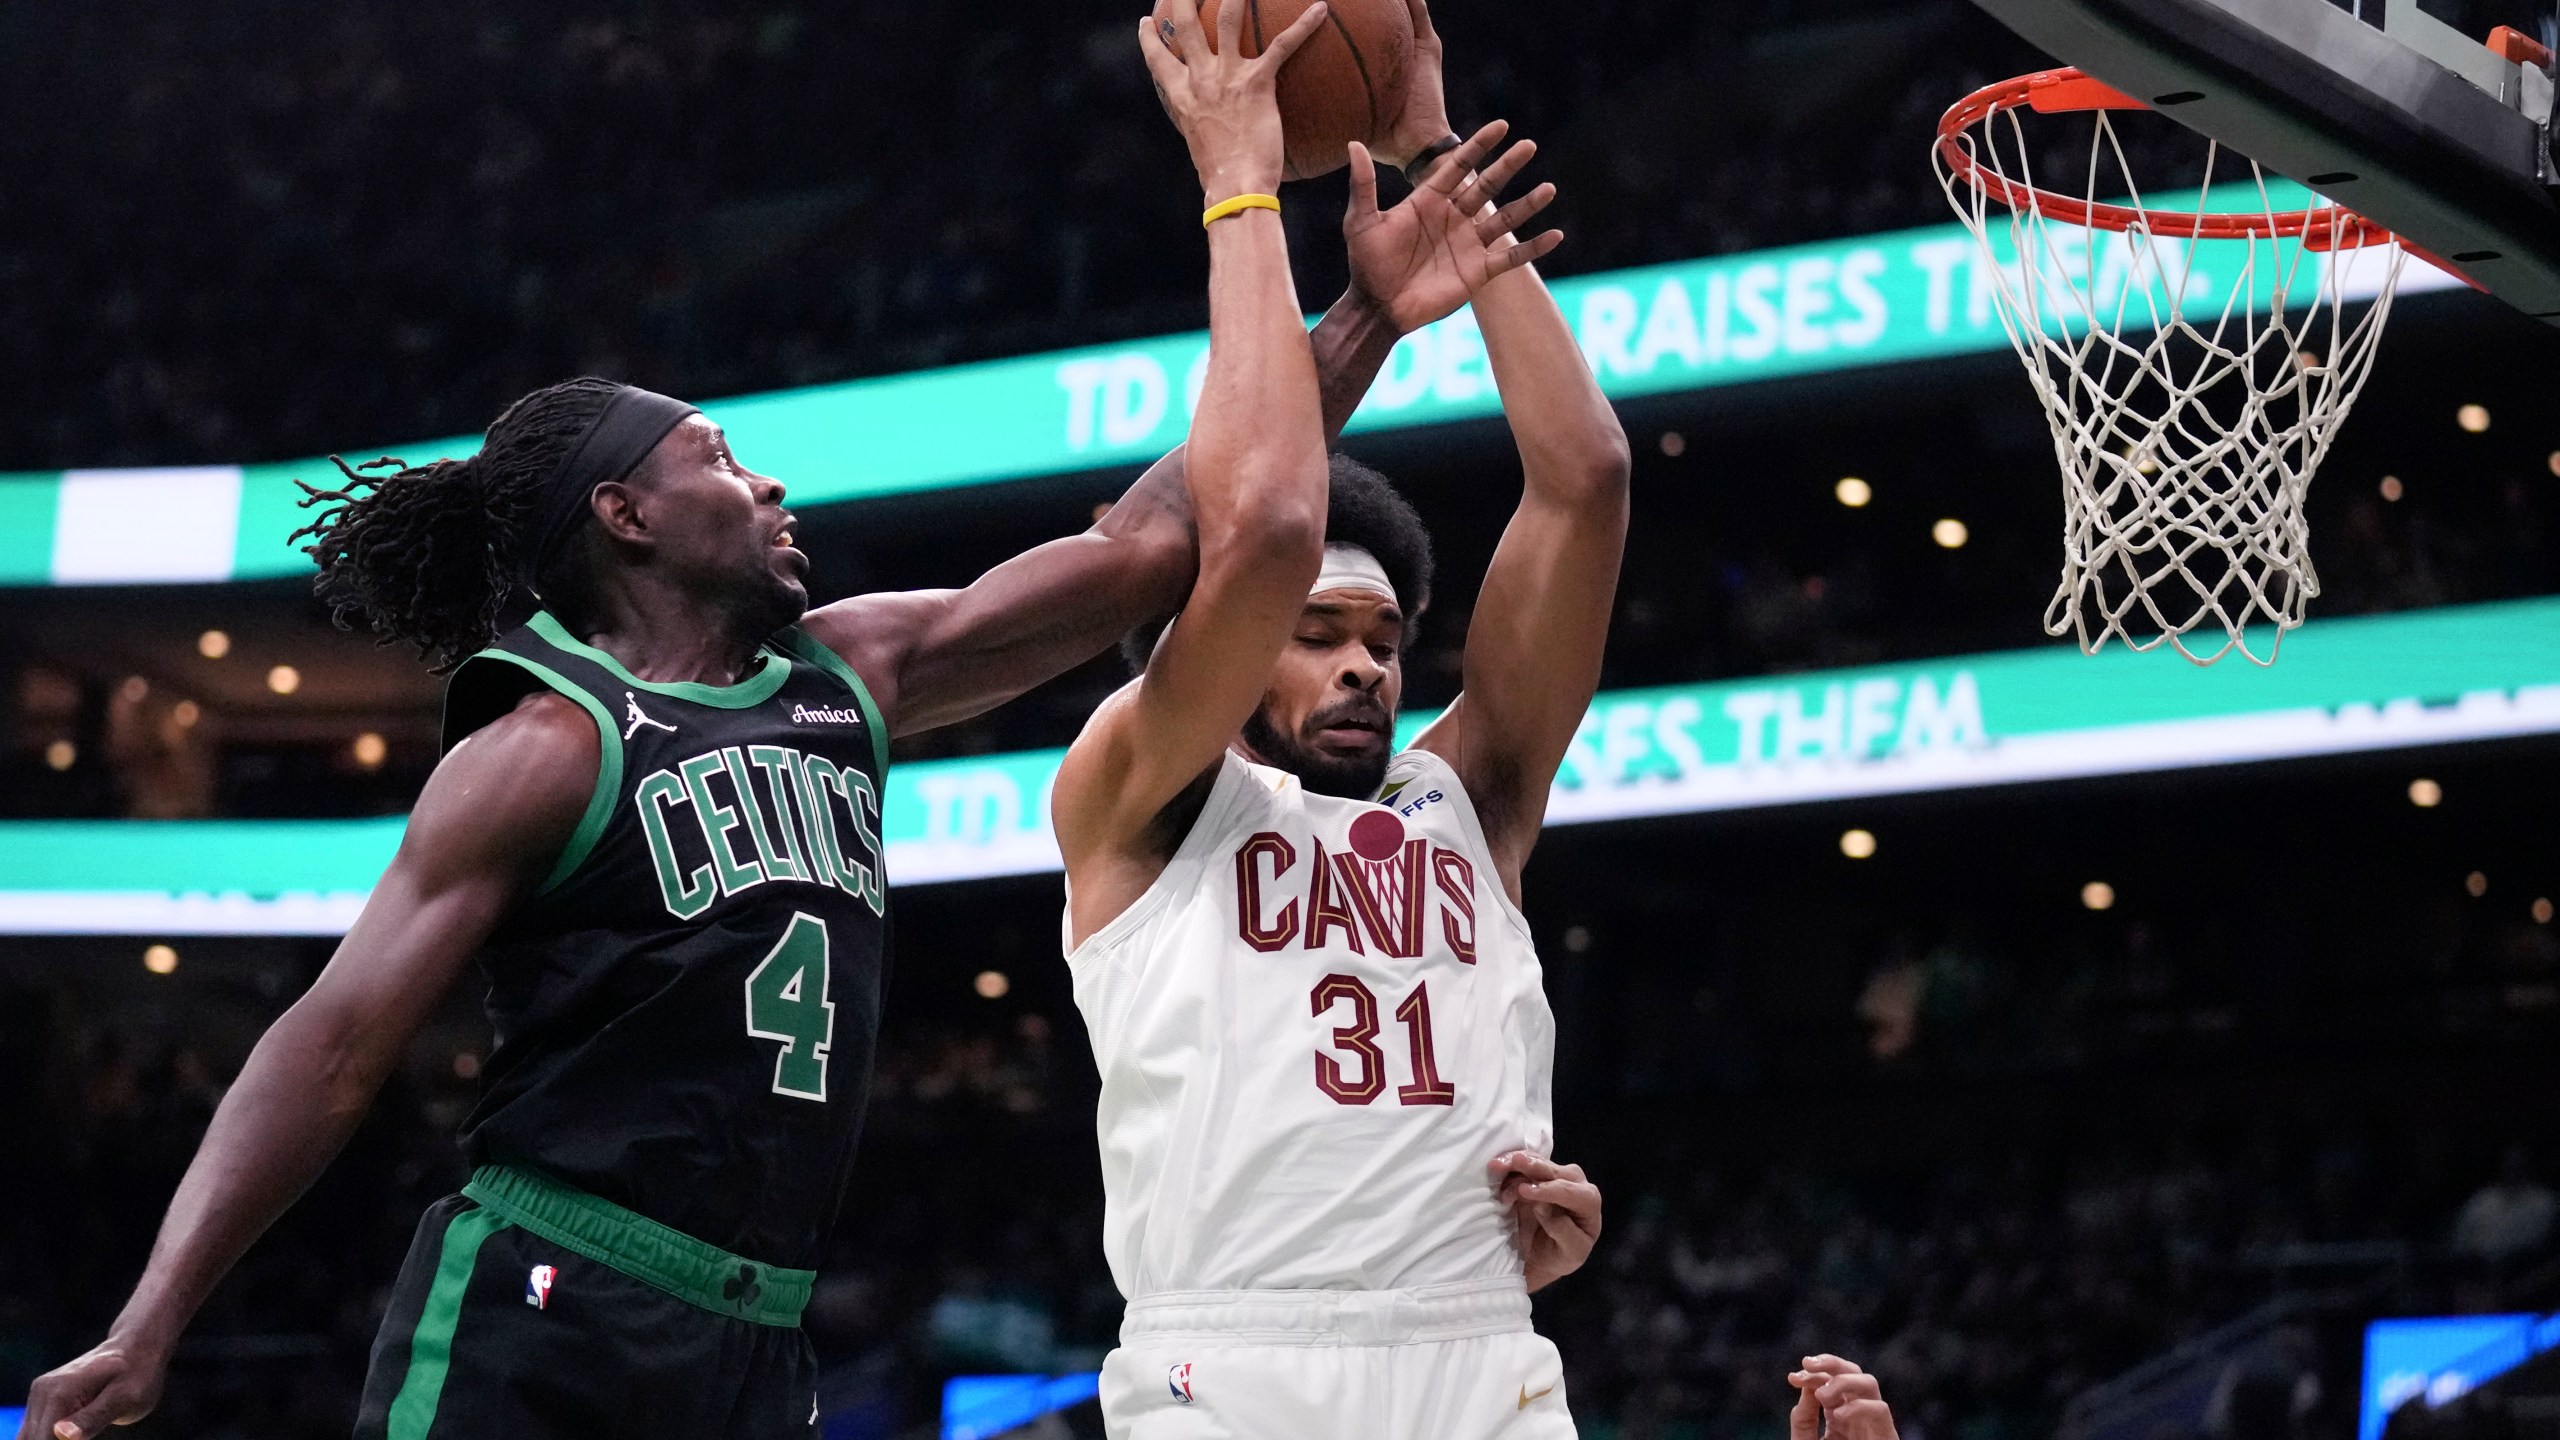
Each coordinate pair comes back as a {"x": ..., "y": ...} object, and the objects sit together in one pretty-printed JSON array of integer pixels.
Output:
[
  {"x": 1399, "y": 797},
  {"x": 765, "y": 814}
]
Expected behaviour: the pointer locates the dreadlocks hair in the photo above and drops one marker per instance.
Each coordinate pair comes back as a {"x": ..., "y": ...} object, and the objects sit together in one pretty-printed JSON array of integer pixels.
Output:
[
  {"x": 1361, "y": 508},
  {"x": 428, "y": 555}
]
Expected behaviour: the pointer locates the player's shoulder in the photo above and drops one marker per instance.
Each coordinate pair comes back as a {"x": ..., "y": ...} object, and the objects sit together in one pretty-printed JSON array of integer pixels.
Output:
[
  {"x": 1416, "y": 770},
  {"x": 542, "y": 725},
  {"x": 545, "y": 741},
  {"x": 1426, "y": 792},
  {"x": 515, "y": 787}
]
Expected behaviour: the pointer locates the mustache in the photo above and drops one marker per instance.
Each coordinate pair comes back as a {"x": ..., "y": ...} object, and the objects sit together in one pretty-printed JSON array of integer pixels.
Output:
[{"x": 1359, "y": 709}]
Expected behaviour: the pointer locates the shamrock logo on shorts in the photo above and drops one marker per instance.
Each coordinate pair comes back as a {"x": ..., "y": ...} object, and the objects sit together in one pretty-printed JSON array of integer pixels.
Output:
[{"x": 742, "y": 1292}]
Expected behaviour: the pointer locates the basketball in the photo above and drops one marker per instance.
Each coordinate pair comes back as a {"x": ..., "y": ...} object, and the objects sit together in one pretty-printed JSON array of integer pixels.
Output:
[{"x": 1344, "y": 84}]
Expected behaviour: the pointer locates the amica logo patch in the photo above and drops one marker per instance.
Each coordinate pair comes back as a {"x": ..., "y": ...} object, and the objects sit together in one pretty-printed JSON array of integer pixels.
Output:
[{"x": 824, "y": 715}]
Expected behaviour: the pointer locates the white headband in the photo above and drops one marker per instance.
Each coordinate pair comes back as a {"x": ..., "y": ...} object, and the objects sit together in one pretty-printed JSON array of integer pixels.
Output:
[{"x": 1349, "y": 567}]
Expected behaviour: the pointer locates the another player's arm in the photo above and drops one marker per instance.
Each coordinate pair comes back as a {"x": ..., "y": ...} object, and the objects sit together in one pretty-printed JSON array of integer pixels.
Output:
[
  {"x": 491, "y": 822},
  {"x": 938, "y": 657},
  {"x": 1540, "y": 624},
  {"x": 1257, "y": 476}
]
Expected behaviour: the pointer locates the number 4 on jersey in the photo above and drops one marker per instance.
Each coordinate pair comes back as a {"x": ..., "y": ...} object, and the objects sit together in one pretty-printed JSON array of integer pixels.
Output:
[{"x": 787, "y": 1001}]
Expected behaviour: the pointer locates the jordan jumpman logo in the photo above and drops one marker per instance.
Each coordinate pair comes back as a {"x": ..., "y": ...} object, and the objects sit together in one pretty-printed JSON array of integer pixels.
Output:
[{"x": 639, "y": 717}]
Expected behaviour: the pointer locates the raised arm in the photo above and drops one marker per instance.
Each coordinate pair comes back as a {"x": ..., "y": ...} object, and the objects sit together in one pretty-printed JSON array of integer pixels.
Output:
[
  {"x": 1256, "y": 471},
  {"x": 937, "y": 657},
  {"x": 1542, "y": 618},
  {"x": 488, "y": 827}
]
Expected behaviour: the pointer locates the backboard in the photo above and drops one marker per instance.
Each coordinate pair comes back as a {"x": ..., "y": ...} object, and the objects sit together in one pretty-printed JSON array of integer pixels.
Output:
[{"x": 2409, "y": 122}]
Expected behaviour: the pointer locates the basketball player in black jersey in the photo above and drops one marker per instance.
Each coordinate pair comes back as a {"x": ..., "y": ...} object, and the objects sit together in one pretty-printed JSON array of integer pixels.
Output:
[{"x": 657, "y": 829}]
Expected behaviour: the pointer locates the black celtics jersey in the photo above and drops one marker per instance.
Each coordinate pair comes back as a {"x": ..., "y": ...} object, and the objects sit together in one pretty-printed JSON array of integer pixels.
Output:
[{"x": 685, "y": 1009}]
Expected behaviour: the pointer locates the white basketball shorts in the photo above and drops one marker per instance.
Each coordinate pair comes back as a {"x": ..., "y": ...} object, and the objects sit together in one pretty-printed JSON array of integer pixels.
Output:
[{"x": 1444, "y": 1362}]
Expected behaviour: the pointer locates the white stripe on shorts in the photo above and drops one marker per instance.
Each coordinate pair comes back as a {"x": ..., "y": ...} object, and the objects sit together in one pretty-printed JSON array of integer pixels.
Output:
[{"x": 1455, "y": 1311}]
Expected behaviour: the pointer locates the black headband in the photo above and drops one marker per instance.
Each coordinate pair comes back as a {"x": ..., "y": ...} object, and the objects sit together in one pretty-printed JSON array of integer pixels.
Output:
[{"x": 632, "y": 424}]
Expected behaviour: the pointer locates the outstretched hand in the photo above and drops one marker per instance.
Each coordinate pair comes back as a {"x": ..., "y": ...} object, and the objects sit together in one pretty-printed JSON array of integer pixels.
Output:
[
  {"x": 1227, "y": 106},
  {"x": 1555, "y": 1213},
  {"x": 1422, "y": 260},
  {"x": 1835, "y": 1400}
]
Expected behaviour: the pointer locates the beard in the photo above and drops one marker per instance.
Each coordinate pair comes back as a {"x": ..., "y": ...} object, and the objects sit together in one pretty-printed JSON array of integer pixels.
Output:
[{"x": 1352, "y": 778}]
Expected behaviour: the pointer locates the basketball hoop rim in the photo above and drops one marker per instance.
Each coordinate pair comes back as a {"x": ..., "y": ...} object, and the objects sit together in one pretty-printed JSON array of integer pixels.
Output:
[{"x": 2071, "y": 91}]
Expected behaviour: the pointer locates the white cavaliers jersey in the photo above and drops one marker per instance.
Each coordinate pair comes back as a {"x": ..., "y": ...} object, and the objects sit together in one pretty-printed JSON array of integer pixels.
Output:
[{"x": 1314, "y": 1030}]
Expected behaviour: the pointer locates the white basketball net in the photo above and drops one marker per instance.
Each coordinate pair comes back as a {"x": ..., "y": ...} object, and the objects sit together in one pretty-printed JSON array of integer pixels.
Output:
[{"x": 2193, "y": 388}]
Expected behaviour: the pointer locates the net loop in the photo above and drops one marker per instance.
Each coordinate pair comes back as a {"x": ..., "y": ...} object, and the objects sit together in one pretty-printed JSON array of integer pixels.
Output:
[{"x": 2195, "y": 366}]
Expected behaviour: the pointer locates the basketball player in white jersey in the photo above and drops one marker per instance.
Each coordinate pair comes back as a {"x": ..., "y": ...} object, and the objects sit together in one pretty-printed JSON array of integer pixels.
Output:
[{"x": 1324, "y": 1044}]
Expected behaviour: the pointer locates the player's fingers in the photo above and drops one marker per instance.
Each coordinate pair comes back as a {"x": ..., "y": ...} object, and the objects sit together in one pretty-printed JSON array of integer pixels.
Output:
[
  {"x": 1862, "y": 1420},
  {"x": 1568, "y": 1227},
  {"x": 1496, "y": 177},
  {"x": 1512, "y": 216},
  {"x": 1364, "y": 182},
  {"x": 1844, "y": 1389},
  {"x": 1828, "y": 1364},
  {"x": 1230, "y": 35},
  {"x": 53, "y": 1397},
  {"x": 1579, "y": 1196},
  {"x": 1286, "y": 43},
  {"x": 1163, "y": 66},
  {"x": 1188, "y": 35},
  {"x": 1421, "y": 12},
  {"x": 1453, "y": 168},
  {"x": 1527, "y": 252},
  {"x": 112, "y": 1407},
  {"x": 1527, "y": 1164},
  {"x": 1804, "y": 1421}
]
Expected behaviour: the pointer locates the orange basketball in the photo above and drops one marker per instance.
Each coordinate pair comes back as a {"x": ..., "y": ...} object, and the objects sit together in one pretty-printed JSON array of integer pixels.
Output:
[{"x": 1346, "y": 83}]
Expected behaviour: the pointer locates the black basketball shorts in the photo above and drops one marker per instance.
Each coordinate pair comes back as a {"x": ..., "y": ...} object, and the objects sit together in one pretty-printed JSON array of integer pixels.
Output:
[{"x": 527, "y": 1310}]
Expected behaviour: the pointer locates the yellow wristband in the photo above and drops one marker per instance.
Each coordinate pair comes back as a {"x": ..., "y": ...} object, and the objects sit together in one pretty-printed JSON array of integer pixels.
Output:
[{"x": 1237, "y": 206}]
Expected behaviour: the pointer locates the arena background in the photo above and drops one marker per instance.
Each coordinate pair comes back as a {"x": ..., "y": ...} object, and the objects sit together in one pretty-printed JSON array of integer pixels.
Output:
[{"x": 2165, "y": 1031}]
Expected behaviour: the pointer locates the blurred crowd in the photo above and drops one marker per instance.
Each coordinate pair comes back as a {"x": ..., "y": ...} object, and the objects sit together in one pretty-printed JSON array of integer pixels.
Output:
[
  {"x": 1992, "y": 1291},
  {"x": 282, "y": 228}
]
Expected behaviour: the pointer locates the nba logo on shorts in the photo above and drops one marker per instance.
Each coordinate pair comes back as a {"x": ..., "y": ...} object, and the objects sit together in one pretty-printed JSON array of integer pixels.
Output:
[
  {"x": 537, "y": 1286},
  {"x": 1178, "y": 1380}
]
